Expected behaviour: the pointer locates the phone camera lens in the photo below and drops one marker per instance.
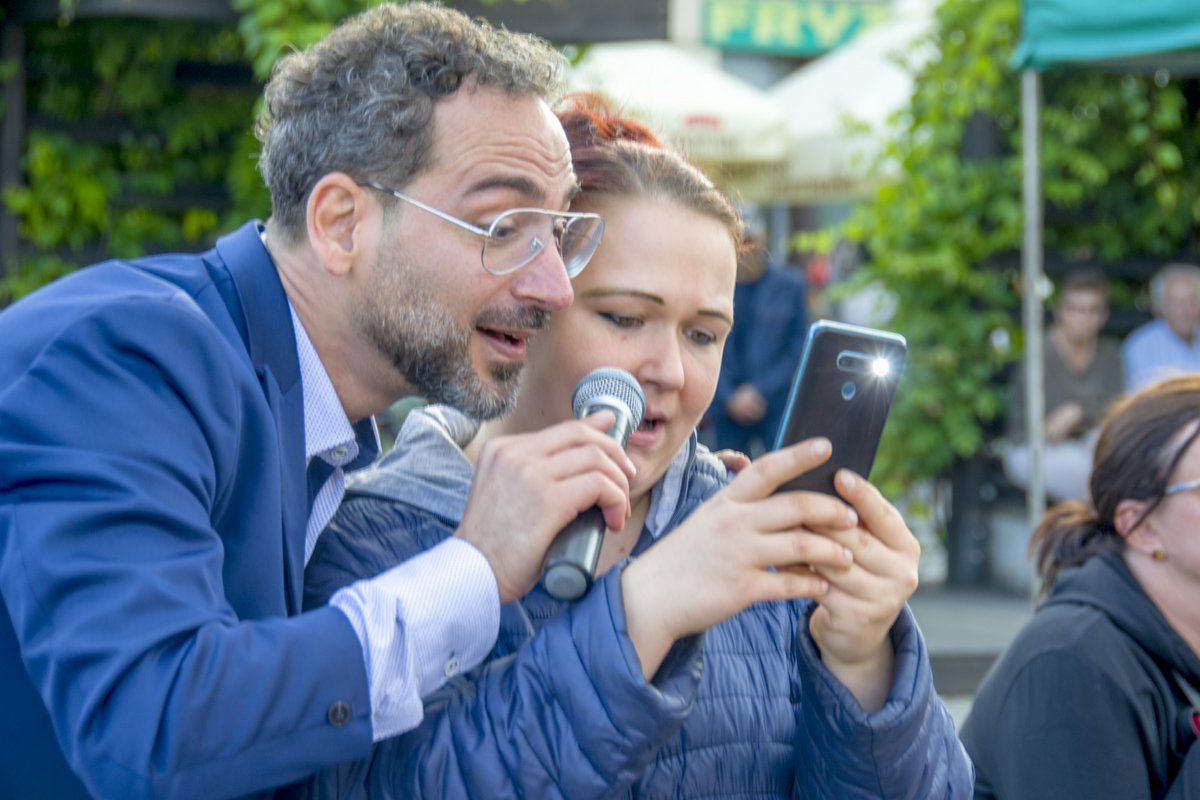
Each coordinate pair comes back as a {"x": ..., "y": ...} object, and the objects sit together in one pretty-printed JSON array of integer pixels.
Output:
[{"x": 848, "y": 390}]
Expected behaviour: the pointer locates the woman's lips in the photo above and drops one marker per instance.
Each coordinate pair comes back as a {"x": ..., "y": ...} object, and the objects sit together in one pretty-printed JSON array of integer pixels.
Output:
[{"x": 649, "y": 433}]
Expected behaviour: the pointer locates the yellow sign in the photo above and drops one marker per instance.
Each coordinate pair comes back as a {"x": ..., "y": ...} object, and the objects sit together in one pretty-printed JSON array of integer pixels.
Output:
[{"x": 792, "y": 27}]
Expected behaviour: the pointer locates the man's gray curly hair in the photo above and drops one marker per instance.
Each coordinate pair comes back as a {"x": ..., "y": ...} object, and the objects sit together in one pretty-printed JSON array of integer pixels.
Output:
[{"x": 360, "y": 101}]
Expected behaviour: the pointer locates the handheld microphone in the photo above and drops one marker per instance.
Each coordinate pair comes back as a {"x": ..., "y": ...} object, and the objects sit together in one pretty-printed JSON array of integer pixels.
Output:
[{"x": 571, "y": 560}]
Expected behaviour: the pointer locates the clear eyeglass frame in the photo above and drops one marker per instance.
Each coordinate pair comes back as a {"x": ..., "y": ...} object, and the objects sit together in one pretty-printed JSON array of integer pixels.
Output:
[
  {"x": 519, "y": 235},
  {"x": 1182, "y": 486}
]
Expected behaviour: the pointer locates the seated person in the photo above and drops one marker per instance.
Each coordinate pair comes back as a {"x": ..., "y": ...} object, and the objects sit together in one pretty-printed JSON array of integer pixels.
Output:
[
  {"x": 1083, "y": 376},
  {"x": 811, "y": 678},
  {"x": 1096, "y": 697},
  {"x": 1170, "y": 344}
]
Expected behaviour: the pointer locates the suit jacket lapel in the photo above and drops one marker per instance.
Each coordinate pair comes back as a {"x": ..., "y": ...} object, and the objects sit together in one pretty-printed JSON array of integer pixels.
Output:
[{"x": 266, "y": 325}]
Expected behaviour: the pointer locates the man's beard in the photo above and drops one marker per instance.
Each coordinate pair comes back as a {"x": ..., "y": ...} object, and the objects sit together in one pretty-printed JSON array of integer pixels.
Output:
[{"x": 412, "y": 328}]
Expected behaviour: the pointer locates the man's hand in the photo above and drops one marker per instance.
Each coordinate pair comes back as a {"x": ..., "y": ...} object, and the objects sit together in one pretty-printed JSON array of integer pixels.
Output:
[
  {"x": 1062, "y": 420},
  {"x": 528, "y": 487},
  {"x": 734, "y": 460},
  {"x": 851, "y": 625},
  {"x": 721, "y": 559},
  {"x": 746, "y": 405}
]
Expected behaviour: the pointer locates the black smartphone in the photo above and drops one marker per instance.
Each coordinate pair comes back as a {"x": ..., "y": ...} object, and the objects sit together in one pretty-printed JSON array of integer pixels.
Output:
[{"x": 843, "y": 389}]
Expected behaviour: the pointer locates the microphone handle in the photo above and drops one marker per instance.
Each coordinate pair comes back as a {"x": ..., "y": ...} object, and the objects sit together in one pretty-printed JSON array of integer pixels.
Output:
[{"x": 573, "y": 555}]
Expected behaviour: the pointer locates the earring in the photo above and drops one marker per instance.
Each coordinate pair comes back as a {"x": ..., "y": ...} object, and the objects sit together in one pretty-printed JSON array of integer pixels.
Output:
[{"x": 1159, "y": 554}]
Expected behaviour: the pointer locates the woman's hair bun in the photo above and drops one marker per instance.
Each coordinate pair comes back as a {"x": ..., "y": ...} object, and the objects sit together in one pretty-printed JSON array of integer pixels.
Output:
[{"x": 604, "y": 124}]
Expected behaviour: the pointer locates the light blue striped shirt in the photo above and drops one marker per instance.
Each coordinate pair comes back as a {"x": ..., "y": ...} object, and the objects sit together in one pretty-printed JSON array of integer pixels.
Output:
[
  {"x": 1153, "y": 352},
  {"x": 419, "y": 623}
]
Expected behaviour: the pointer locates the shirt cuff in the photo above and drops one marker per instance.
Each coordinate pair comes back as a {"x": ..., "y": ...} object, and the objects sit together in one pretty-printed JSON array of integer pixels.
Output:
[{"x": 420, "y": 623}]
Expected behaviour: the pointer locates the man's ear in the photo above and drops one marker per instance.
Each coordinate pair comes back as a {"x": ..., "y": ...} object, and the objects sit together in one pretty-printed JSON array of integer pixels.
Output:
[
  {"x": 1142, "y": 538},
  {"x": 336, "y": 212}
]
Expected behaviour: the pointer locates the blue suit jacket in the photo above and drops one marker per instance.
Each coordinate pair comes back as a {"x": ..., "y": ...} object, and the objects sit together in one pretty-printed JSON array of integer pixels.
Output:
[{"x": 153, "y": 507}]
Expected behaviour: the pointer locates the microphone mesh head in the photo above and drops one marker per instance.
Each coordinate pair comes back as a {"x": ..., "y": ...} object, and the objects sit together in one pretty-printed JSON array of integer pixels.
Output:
[{"x": 609, "y": 382}]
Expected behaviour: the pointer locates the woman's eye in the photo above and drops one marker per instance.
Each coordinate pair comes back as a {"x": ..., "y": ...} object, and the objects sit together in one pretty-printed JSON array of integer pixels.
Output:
[
  {"x": 620, "y": 320},
  {"x": 702, "y": 337}
]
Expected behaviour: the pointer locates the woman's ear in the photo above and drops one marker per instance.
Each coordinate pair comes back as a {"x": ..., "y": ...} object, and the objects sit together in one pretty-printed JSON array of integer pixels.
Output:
[
  {"x": 335, "y": 214},
  {"x": 1139, "y": 536}
]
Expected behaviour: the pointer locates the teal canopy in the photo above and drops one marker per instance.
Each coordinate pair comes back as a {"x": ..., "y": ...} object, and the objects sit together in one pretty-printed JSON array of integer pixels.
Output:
[{"x": 1130, "y": 34}]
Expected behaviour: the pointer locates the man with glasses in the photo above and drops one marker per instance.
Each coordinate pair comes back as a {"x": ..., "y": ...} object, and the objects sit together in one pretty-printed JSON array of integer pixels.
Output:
[{"x": 175, "y": 431}]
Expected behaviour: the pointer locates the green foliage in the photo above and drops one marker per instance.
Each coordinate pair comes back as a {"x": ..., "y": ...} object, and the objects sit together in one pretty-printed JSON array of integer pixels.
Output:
[
  {"x": 269, "y": 27},
  {"x": 127, "y": 154},
  {"x": 122, "y": 156},
  {"x": 1118, "y": 164}
]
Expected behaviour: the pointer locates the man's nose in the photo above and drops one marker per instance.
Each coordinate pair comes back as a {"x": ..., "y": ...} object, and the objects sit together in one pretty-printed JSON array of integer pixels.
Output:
[{"x": 544, "y": 280}]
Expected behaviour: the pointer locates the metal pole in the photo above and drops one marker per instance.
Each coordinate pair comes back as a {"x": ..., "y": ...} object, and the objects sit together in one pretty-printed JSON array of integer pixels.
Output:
[
  {"x": 1033, "y": 278},
  {"x": 781, "y": 234}
]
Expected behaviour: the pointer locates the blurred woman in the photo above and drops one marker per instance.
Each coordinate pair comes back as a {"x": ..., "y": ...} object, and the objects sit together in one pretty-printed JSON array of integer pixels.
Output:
[
  {"x": 1098, "y": 695},
  {"x": 606, "y": 696},
  {"x": 1083, "y": 376}
]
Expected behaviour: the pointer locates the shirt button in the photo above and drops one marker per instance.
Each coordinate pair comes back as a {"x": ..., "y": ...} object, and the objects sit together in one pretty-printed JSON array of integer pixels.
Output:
[
  {"x": 451, "y": 667},
  {"x": 338, "y": 454},
  {"x": 339, "y": 713}
]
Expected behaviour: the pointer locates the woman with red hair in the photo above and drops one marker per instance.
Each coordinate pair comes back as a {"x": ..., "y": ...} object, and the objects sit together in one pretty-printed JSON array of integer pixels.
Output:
[{"x": 736, "y": 643}]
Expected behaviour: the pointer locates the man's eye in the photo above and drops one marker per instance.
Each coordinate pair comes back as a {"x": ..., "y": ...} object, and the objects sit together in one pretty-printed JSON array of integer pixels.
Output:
[{"x": 504, "y": 230}]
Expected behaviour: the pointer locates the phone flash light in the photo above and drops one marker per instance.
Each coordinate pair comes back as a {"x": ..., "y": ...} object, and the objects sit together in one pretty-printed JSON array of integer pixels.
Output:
[{"x": 881, "y": 367}]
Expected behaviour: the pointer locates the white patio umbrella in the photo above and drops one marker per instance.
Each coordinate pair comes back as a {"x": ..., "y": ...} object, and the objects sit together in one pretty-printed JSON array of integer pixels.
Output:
[
  {"x": 837, "y": 109},
  {"x": 711, "y": 115}
]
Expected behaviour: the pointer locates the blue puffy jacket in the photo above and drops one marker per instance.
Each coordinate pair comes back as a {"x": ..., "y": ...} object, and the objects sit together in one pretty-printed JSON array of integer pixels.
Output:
[{"x": 560, "y": 708}]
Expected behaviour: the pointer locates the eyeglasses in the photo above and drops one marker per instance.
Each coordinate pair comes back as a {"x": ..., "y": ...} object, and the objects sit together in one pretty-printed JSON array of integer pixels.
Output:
[
  {"x": 1173, "y": 488},
  {"x": 1176, "y": 488},
  {"x": 519, "y": 235}
]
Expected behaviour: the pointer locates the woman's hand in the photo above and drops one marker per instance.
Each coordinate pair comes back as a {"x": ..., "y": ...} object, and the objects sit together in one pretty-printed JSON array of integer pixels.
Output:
[
  {"x": 851, "y": 624},
  {"x": 721, "y": 559}
]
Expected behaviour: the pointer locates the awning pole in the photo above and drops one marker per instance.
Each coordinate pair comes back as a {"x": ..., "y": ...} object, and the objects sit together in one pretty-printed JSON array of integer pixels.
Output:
[{"x": 1033, "y": 278}]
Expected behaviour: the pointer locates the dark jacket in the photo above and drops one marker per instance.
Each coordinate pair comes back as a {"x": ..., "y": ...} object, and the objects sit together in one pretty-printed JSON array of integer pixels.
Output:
[
  {"x": 551, "y": 714},
  {"x": 1084, "y": 703},
  {"x": 763, "y": 349}
]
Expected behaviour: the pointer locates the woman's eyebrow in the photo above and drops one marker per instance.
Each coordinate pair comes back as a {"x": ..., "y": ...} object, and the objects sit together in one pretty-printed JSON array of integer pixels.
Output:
[
  {"x": 603, "y": 291},
  {"x": 721, "y": 315}
]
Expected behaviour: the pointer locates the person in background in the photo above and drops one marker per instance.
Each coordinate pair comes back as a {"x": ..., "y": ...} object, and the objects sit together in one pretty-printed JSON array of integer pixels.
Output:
[
  {"x": 174, "y": 431},
  {"x": 761, "y": 353},
  {"x": 1170, "y": 344},
  {"x": 1083, "y": 376},
  {"x": 1099, "y": 695},
  {"x": 701, "y": 636}
]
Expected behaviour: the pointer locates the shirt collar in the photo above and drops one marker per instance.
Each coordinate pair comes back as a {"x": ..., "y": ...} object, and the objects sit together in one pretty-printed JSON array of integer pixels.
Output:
[
  {"x": 327, "y": 430},
  {"x": 664, "y": 497}
]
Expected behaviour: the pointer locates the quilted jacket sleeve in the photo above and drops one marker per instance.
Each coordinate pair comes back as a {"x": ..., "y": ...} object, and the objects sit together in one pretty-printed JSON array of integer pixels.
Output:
[
  {"x": 907, "y": 749},
  {"x": 568, "y": 715}
]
